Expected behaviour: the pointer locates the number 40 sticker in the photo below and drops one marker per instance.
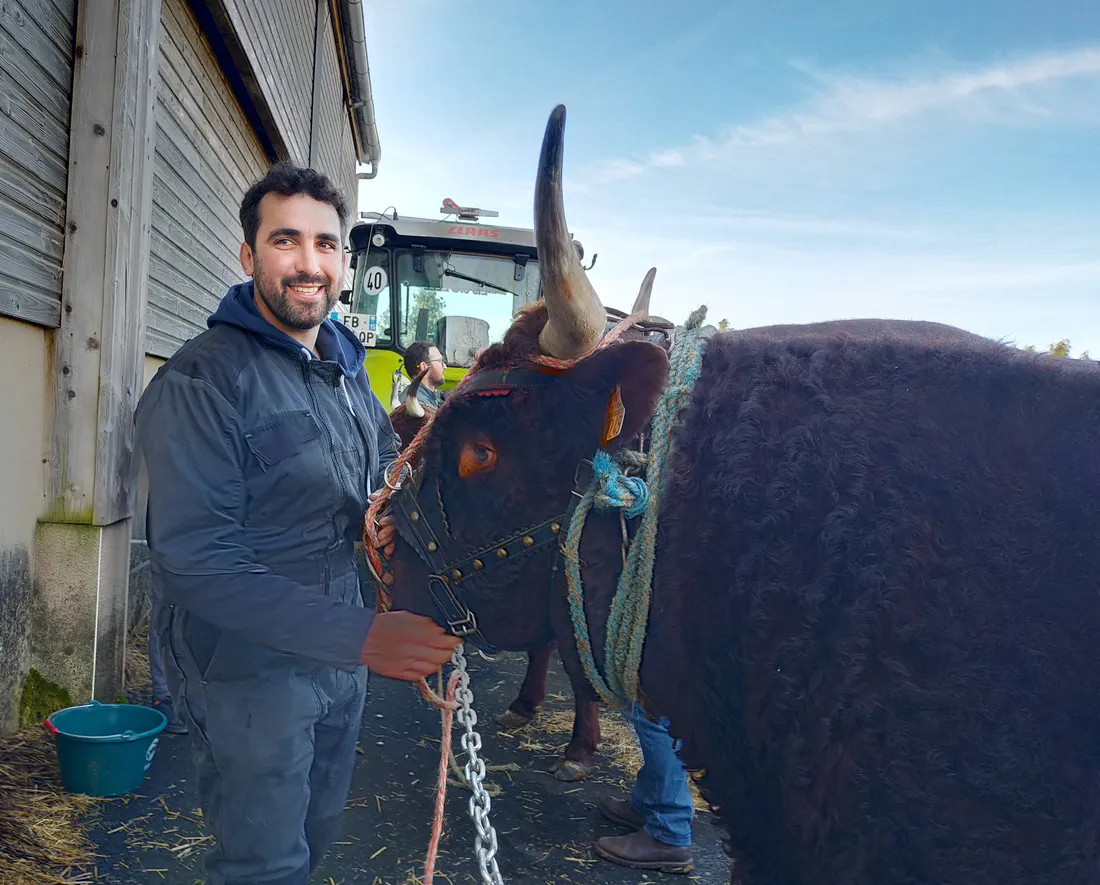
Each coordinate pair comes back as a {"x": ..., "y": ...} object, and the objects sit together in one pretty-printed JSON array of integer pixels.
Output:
[{"x": 374, "y": 280}]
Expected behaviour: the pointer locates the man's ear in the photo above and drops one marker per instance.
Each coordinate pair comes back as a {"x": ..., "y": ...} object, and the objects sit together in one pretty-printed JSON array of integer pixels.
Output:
[
  {"x": 246, "y": 259},
  {"x": 617, "y": 389}
]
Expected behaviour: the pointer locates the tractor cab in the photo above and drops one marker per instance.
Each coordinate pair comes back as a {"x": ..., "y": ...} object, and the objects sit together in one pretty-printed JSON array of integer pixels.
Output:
[{"x": 455, "y": 282}]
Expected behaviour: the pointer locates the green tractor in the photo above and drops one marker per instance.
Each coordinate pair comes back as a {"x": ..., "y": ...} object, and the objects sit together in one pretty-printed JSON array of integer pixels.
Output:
[{"x": 454, "y": 282}]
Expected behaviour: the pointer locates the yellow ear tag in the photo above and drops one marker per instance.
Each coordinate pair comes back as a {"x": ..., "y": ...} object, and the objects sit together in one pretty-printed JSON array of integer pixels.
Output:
[{"x": 616, "y": 414}]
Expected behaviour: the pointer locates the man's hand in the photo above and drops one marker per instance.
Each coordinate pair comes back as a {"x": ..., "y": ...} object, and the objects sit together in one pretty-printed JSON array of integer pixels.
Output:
[
  {"x": 405, "y": 646},
  {"x": 386, "y": 528}
]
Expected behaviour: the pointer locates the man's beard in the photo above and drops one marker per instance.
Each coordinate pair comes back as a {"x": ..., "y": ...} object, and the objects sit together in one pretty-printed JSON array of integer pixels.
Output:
[{"x": 303, "y": 317}]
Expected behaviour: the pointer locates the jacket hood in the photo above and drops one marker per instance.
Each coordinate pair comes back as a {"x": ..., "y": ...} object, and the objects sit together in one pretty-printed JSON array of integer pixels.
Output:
[{"x": 334, "y": 340}]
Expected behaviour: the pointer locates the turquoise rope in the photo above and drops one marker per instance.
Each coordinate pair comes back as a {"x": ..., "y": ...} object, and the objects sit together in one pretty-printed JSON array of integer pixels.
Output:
[{"x": 612, "y": 489}]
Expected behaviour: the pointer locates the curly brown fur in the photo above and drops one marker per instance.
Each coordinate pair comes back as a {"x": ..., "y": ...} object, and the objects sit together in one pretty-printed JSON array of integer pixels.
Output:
[
  {"x": 874, "y": 611},
  {"x": 874, "y": 619}
]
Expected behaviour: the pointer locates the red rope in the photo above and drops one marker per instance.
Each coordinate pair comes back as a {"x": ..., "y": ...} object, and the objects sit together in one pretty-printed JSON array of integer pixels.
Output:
[{"x": 445, "y": 753}]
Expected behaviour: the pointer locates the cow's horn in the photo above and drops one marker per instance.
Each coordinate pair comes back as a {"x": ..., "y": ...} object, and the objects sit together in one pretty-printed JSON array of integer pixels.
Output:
[
  {"x": 576, "y": 317},
  {"x": 413, "y": 407},
  {"x": 641, "y": 303},
  {"x": 395, "y": 395}
]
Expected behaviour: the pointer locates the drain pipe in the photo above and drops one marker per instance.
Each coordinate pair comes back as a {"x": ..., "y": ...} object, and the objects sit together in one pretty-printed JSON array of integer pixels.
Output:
[{"x": 362, "y": 100}]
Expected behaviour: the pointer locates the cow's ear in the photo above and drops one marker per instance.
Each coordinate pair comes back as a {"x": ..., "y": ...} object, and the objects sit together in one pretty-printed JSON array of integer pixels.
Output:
[{"x": 617, "y": 388}]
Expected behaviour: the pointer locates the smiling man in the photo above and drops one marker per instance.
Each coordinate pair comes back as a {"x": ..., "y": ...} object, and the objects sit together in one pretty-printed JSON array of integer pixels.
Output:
[{"x": 262, "y": 442}]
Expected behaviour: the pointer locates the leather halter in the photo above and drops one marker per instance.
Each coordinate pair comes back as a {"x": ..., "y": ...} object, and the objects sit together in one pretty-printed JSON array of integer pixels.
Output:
[{"x": 420, "y": 519}]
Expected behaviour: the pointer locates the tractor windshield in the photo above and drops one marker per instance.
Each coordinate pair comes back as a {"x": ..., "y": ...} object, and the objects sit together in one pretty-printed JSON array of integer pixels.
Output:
[{"x": 458, "y": 301}]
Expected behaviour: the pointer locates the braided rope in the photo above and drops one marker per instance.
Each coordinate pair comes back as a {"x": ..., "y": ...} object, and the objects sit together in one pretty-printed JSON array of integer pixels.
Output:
[{"x": 629, "y": 614}]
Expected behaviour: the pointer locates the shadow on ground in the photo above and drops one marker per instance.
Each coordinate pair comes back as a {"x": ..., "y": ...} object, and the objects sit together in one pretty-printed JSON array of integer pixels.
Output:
[{"x": 545, "y": 828}]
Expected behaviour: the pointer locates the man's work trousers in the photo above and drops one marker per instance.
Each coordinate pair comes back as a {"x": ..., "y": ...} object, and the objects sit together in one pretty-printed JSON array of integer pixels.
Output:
[{"x": 274, "y": 750}]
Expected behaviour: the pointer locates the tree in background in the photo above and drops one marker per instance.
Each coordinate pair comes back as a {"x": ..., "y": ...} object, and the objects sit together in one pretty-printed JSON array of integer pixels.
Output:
[
  {"x": 1060, "y": 349},
  {"x": 421, "y": 299},
  {"x": 429, "y": 300}
]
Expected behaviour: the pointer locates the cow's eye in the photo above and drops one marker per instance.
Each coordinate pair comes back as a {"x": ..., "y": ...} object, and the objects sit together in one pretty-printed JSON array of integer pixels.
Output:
[{"x": 477, "y": 456}]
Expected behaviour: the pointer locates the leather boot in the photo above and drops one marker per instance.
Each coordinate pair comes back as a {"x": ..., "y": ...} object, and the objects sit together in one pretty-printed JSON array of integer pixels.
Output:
[
  {"x": 620, "y": 811},
  {"x": 641, "y": 851}
]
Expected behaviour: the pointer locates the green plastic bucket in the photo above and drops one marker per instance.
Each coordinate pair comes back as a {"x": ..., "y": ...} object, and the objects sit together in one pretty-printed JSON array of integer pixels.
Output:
[{"x": 105, "y": 750}]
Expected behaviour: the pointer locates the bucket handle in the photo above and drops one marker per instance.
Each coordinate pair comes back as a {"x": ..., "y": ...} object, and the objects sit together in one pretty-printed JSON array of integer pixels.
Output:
[{"x": 127, "y": 735}]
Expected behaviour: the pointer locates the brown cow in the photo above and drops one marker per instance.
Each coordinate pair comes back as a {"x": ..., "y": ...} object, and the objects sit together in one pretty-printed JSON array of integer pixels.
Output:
[
  {"x": 874, "y": 613},
  {"x": 579, "y": 758}
]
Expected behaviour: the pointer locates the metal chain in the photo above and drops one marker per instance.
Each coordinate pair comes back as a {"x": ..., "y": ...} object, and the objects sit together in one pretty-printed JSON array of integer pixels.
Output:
[{"x": 485, "y": 845}]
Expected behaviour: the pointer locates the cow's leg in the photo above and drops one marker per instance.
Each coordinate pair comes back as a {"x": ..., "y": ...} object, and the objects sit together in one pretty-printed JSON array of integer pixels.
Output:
[
  {"x": 532, "y": 693},
  {"x": 579, "y": 760}
]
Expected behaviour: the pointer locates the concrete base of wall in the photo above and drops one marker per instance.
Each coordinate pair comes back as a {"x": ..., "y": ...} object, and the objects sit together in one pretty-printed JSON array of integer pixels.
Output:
[
  {"x": 78, "y": 633},
  {"x": 15, "y": 616}
]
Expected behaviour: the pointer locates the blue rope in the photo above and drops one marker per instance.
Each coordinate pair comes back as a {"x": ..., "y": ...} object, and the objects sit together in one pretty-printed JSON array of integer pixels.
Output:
[
  {"x": 617, "y": 491},
  {"x": 611, "y": 489}
]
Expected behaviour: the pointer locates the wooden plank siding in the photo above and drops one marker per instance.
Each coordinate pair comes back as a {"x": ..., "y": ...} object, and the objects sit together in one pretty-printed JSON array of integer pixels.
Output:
[
  {"x": 36, "y": 57},
  {"x": 208, "y": 153},
  {"x": 206, "y": 156},
  {"x": 278, "y": 38},
  {"x": 332, "y": 149}
]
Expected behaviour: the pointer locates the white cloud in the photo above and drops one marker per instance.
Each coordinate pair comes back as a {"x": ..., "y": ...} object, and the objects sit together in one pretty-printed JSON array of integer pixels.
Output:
[
  {"x": 1005, "y": 93},
  {"x": 1026, "y": 284}
]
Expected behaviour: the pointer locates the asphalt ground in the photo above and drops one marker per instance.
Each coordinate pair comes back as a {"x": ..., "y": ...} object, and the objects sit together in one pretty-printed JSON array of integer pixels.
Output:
[{"x": 545, "y": 828}]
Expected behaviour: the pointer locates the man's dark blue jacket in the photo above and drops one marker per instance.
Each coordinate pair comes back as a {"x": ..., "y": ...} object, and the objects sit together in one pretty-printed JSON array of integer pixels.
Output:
[{"x": 260, "y": 458}]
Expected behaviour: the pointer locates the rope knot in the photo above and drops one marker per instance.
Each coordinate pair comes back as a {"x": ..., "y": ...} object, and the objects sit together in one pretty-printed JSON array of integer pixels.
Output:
[{"x": 617, "y": 491}]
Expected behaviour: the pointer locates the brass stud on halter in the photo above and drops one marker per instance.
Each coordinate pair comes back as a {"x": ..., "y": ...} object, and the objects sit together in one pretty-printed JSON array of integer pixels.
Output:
[
  {"x": 501, "y": 552},
  {"x": 528, "y": 541},
  {"x": 432, "y": 546},
  {"x": 478, "y": 564}
]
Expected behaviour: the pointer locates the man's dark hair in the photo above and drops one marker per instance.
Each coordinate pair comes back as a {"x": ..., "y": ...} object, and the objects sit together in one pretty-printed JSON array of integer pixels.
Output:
[
  {"x": 289, "y": 180},
  {"x": 416, "y": 353}
]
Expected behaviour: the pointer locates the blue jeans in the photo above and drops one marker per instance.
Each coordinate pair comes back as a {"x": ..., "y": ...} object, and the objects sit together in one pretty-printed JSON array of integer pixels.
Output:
[{"x": 660, "y": 792}]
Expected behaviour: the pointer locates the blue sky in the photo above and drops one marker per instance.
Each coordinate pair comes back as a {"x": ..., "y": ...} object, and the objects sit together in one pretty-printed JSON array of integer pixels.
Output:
[{"x": 779, "y": 162}]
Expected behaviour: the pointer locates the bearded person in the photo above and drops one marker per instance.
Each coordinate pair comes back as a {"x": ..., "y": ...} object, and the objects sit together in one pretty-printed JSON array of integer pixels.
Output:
[{"x": 262, "y": 443}]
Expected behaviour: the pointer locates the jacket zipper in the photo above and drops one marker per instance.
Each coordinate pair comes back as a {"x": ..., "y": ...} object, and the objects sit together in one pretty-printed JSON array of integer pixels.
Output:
[
  {"x": 356, "y": 434},
  {"x": 364, "y": 437},
  {"x": 328, "y": 432}
]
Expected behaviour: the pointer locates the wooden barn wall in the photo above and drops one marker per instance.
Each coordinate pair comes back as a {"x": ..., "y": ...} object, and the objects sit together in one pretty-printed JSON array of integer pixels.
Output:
[
  {"x": 277, "y": 38},
  {"x": 331, "y": 147},
  {"x": 36, "y": 60},
  {"x": 207, "y": 155}
]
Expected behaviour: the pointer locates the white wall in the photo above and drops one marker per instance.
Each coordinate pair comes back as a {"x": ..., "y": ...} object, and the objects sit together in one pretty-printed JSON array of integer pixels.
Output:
[{"x": 26, "y": 387}]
